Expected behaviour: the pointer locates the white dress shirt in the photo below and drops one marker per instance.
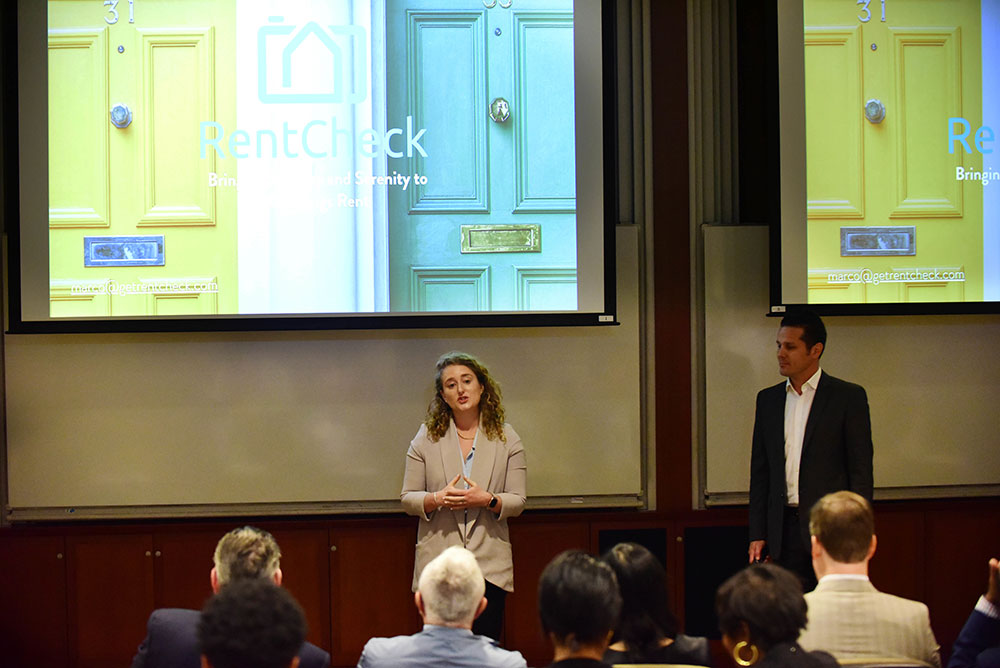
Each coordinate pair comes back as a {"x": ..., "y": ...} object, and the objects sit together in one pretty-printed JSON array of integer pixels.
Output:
[{"x": 797, "y": 408}]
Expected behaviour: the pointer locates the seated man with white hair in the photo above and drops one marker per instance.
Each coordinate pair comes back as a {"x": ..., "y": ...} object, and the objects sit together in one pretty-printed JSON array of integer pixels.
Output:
[{"x": 449, "y": 597}]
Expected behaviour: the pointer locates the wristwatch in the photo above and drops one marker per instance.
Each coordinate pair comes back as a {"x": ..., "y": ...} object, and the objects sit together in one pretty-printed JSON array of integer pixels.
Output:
[{"x": 493, "y": 501}]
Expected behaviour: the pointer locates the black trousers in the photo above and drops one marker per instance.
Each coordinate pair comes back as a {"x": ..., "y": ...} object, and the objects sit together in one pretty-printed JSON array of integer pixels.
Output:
[
  {"x": 490, "y": 623},
  {"x": 796, "y": 555}
]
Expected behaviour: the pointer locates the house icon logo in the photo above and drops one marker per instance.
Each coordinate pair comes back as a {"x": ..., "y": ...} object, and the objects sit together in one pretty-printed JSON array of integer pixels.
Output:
[{"x": 346, "y": 45}]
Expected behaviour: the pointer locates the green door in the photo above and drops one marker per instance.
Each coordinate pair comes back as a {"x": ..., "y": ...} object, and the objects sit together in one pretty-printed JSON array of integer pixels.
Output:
[{"x": 493, "y": 226}]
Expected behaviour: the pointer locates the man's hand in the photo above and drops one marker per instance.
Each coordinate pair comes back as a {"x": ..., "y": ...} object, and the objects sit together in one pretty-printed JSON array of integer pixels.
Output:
[
  {"x": 993, "y": 587},
  {"x": 756, "y": 550}
]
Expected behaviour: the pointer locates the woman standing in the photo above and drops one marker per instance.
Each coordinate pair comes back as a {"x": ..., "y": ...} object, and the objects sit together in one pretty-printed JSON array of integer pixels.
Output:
[{"x": 465, "y": 475}]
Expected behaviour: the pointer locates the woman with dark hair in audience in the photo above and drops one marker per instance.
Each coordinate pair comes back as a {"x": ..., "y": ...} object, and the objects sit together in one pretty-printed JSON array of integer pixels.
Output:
[
  {"x": 761, "y": 612},
  {"x": 647, "y": 630}
]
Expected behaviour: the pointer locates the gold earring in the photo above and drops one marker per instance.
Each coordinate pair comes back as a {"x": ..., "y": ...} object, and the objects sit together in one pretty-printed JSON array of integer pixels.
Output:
[{"x": 754, "y": 654}]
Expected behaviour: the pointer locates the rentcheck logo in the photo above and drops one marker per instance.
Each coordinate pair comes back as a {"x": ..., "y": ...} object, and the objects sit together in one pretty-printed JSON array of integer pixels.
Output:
[{"x": 340, "y": 40}]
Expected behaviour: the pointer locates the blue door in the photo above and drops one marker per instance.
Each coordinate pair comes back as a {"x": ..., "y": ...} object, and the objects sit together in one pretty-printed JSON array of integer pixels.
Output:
[{"x": 493, "y": 226}]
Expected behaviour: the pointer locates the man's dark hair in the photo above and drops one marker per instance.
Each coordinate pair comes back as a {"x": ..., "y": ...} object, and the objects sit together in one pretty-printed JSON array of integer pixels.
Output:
[
  {"x": 251, "y": 624},
  {"x": 813, "y": 329},
  {"x": 578, "y": 599},
  {"x": 768, "y": 599},
  {"x": 843, "y": 523},
  {"x": 646, "y": 619}
]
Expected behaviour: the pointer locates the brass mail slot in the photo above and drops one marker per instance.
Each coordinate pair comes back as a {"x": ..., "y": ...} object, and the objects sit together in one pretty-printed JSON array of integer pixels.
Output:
[{"x": 501, "y": 238}]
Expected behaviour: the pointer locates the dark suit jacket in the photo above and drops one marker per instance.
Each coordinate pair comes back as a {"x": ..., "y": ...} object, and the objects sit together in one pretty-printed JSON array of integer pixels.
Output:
[
  {"x": 978, "y": 644},
  {"x": 836, "y": 454},
  {"x": 172, "y": 642}
]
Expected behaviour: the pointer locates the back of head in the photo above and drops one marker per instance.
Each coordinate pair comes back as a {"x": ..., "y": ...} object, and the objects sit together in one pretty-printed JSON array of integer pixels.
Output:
[
  {"x": 813, "y": 329},
  {"x": 768, "y": 599},
  {"x": 843, "y": 523},
  {"x": 646, "y": 618},
  {"x": 251, "y": 624},
  {"x": 578, "y": 599},
  {"x": 246, "y": 553},
  {"x": 451, "y": 587}
]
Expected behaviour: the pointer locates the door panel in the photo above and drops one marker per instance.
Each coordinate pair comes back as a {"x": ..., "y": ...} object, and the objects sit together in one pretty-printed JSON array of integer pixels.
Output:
[
  {"x": 928, "y": 89},
  {"x": 79, "y": 179},
  {"x": 179, "y": 91},
  {"x": 544, "y": 141},
  {"x": 834, "y": 157},
  {"x": 107, "y": 625},
  {"x": 448, "y": 51},
  {"x": 371, "y": 571},
  {"x": 33, "y": 591}
]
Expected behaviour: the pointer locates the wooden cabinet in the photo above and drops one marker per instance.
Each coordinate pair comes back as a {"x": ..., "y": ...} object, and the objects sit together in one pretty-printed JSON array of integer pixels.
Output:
[
  {"x": 33, "y": 601},
  {"x": 182, "y": 564},
  {"x": 79, "y": 595},
  {"x": 535, "y": 544},
  {"x": 371, "y": 572},
  {"x": 110, "y": 583},
  {"x": 305, "y": 567}
]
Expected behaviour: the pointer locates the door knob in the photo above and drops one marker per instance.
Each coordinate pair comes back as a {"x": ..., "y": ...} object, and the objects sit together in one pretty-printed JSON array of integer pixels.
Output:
[
  {"x": 874, "y": 110},
  {"x": 499, "y": 110},
  {"x": 121, "y": 116}
]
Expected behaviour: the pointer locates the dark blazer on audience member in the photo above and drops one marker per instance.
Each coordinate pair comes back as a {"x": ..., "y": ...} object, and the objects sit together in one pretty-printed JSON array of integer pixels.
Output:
[
  {"x": 172, "y": 642},
  {"x": 684, "y": 649},
  {"x": 978, "y": 645},
  {"x": 791, "y": 655},
  {"x": 836, "y": 455}
]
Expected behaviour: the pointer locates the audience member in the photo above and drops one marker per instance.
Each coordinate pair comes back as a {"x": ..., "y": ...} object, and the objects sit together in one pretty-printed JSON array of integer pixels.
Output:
[
  {"x": 978, "y": 645},
  {"x": 848, "y": 617},
  {"x": 761, "y": 612},
  {"x": 579, "y": 604},
  {"x": 647, "y": 630},
  {"x": 449, "y": 597},
  {"x": 251, "y": 624},
  {"x": 171, "y": 633}
]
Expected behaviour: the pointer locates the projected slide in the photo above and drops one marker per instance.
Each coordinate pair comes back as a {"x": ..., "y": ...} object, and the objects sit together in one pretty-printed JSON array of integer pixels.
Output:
[
  {"x": 217, "y": 157},
  {"x": 903, "y": 189}
]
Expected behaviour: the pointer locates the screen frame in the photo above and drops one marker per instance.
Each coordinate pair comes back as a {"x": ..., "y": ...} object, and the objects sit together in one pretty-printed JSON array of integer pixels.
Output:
[{"x": 11, "y": 209}]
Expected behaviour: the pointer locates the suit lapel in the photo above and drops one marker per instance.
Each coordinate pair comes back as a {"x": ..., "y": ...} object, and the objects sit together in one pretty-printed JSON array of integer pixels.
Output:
[
  {"x": 776, "y": 426},
  {"x": 451, "y": 463},
  {"x": 482, "y": 465},
  {"x": 819, "y": 404}
]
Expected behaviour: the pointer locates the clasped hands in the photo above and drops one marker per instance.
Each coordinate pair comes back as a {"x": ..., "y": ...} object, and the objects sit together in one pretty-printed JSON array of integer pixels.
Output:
[{"x": 453, "y": 498}]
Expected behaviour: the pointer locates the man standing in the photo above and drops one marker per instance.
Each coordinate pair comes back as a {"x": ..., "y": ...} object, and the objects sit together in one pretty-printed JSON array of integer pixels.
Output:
[
  {"x": 848, "y": 617},
  {"x": 171, "y": 639},
  {"x": 449, "y": 597},
  {"x": 811, "y": 436}
]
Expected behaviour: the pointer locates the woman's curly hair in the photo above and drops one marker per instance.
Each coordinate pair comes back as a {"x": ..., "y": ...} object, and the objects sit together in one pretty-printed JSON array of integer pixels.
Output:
[{"x": 491, "y": 415}]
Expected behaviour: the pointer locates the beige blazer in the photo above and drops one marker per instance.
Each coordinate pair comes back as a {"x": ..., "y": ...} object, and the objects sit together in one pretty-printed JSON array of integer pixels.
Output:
[
  {"x": 498, "y": 467},
  {"x": 849, "y": 618}
]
